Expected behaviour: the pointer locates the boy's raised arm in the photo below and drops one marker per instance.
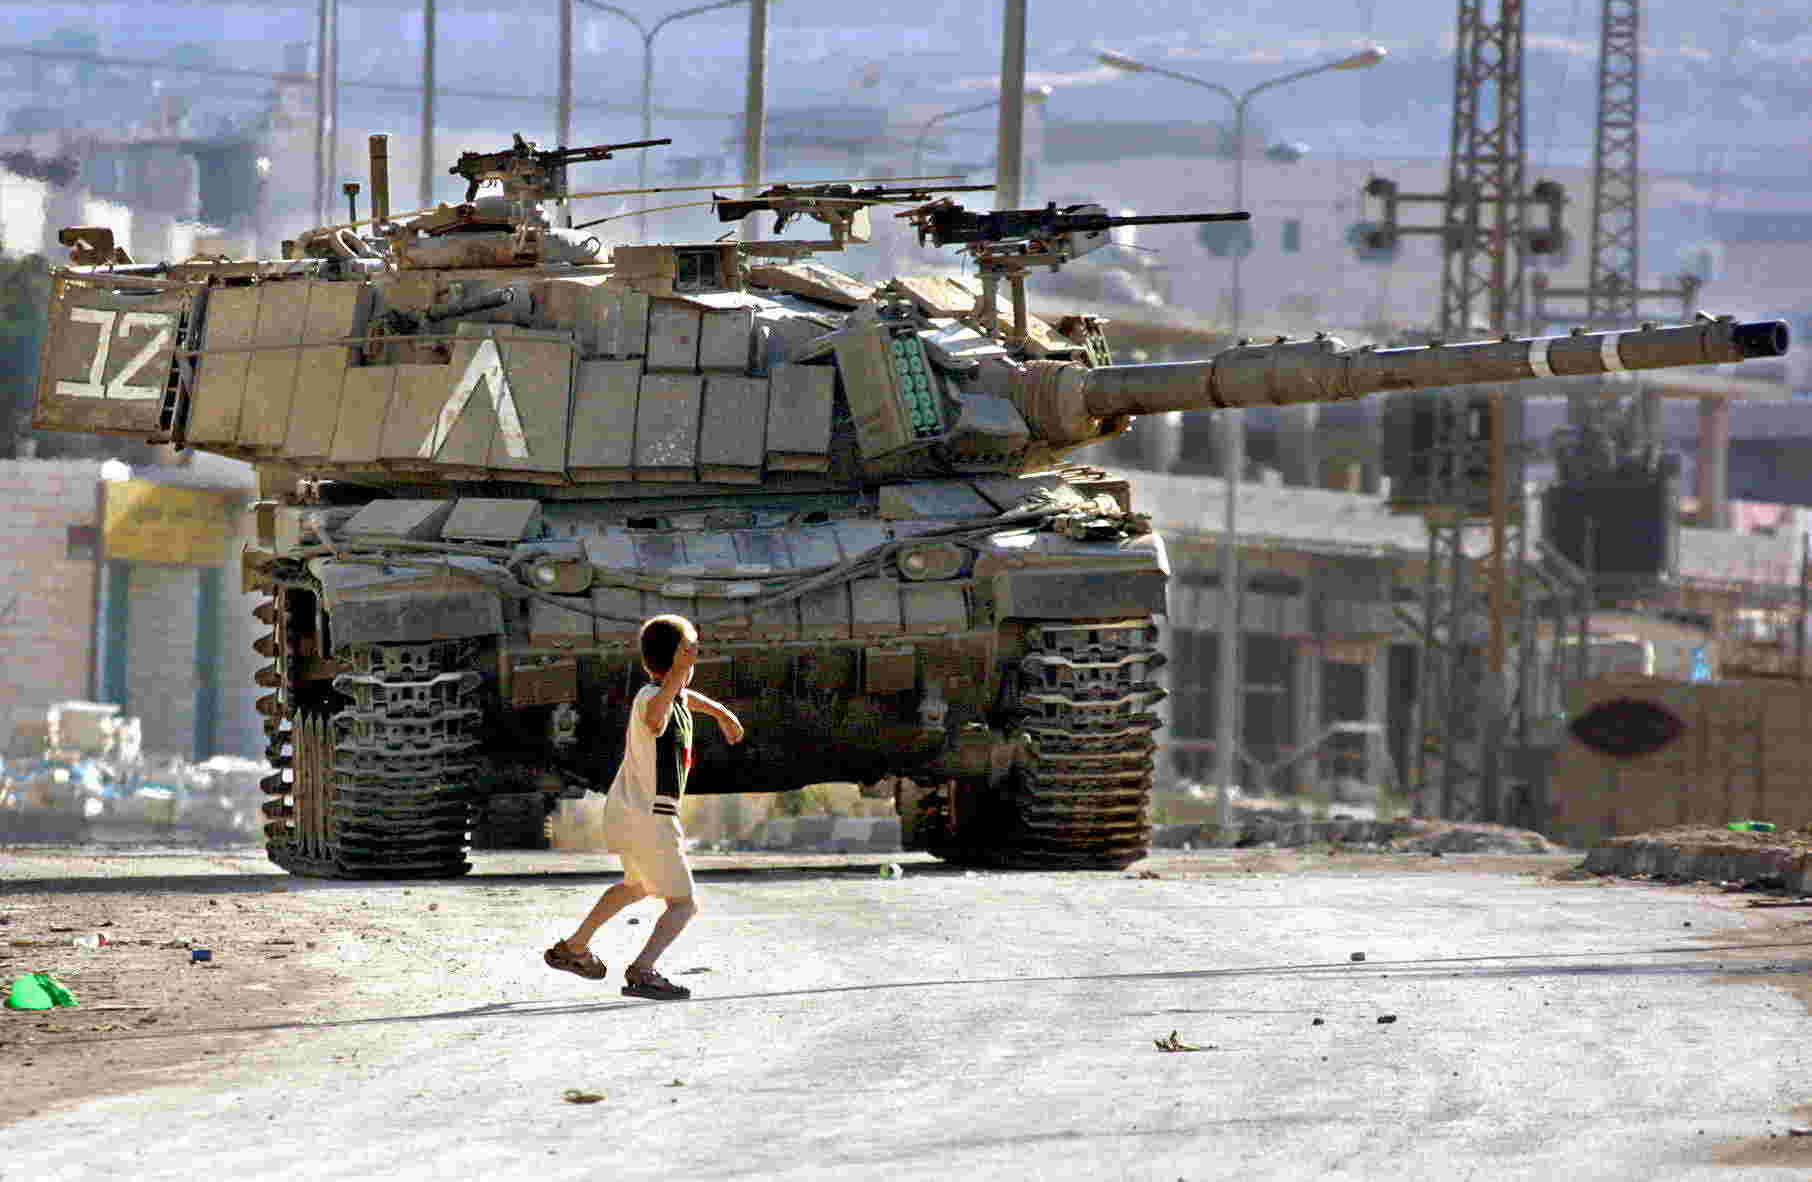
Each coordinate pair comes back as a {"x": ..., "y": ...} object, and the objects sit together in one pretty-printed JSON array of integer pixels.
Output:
[{"x": 726, "y": 718}]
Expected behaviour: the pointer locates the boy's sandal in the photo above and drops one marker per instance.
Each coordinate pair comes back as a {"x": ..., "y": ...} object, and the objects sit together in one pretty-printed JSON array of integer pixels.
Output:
[
  {"x": 564, "y": 959},
  {"x": 650, "y": 984}
]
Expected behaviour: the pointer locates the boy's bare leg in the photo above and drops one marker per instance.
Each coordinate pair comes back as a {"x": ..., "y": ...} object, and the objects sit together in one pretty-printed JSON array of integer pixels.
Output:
[
  {"x": 619, "y": 896},
  {"x": 672, "y": 921}
]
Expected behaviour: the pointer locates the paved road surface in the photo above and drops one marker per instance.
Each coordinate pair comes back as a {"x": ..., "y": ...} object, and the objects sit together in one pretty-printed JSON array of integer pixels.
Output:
[{"x": 958, "y": 1026}]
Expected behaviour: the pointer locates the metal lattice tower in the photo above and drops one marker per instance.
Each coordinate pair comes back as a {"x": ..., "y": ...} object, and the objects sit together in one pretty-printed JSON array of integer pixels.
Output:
[
  {"x": 1483, "y": 241},
  {"x": 1611, "y": 284}
]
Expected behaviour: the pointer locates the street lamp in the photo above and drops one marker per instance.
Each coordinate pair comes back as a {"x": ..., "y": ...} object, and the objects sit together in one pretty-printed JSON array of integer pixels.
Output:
[
  {"x": 1370, "y": 56},
  {"x": 1036, "y": 95},
  {"x": 648, "y": 33},
  {"x": 1233, "y": 462}
]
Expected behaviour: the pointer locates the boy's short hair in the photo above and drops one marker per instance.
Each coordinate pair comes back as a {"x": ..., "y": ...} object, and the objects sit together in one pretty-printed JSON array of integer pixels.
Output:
[{"x": 660, "y": 640}]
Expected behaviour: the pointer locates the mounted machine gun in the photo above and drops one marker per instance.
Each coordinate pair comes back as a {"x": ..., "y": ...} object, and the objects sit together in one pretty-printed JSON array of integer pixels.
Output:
[
  {"x": 1007, "y": 241},
  {"x": 842, "y": 207}
]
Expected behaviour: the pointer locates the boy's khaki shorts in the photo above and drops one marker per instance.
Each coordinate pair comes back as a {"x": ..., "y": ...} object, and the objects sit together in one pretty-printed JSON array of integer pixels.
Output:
[{"x": 653, "y": 859}]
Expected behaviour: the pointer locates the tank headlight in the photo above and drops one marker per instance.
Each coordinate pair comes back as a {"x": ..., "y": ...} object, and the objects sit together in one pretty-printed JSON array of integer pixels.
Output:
[
  {"x": 565, "y": 577},
  {"x": 933, "y": 560}
]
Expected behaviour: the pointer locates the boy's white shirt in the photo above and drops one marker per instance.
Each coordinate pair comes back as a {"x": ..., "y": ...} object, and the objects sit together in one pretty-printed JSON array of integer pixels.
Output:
[{"x": 632, "y": 793}]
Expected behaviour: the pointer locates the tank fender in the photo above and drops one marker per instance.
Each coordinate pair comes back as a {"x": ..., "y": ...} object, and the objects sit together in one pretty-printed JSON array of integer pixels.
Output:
[
  {"x": 1048, "y": 576},
  {"x": 369, "y": 603}
]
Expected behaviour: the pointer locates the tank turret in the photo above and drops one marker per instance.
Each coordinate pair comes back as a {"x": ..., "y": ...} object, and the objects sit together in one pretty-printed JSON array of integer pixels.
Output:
[{"x": 488, "y": 447}]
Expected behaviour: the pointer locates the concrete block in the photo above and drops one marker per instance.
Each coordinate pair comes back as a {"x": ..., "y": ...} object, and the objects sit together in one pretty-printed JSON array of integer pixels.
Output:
[
  {"x": 810, "y": 833},
  {"x": 777, "y": 834},
  {"x": 884, "y": 835},
  {"x": 850, "y": 834}
]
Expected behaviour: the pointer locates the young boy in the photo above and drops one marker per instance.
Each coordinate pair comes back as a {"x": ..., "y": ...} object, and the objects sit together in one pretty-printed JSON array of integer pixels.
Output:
[{"x": 641, "y": 814}]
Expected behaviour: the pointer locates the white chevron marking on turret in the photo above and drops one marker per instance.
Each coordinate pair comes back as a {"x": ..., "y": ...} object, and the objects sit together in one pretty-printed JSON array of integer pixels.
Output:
[{"x": 486, "y": 366}]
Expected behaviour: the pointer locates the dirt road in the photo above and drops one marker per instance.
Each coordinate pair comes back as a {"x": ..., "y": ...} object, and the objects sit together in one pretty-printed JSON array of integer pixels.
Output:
[{"x": 949, "y": 1024}]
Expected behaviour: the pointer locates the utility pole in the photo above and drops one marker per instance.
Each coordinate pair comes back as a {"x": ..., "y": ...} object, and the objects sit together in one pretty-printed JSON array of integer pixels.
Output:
[
  {"x": 563, "y": 135},
  {"x": 321, "y": 112},
  {"x": 1010, "y": 151},
  {"x": 754, "y": 111},
  {"x": 1468, "y": 717},
  {"x": 333, "y": 99},
  {"x": 427, "y": 142}
]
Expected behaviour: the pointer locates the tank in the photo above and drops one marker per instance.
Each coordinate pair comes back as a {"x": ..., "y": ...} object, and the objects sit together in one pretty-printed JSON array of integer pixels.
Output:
[{"x": 487, "y": 448}]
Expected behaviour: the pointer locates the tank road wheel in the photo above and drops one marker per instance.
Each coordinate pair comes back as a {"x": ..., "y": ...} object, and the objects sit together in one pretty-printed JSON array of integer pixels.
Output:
[
  {"x": 404, "y": 760},
  {"x": 1079, "y": 796}
]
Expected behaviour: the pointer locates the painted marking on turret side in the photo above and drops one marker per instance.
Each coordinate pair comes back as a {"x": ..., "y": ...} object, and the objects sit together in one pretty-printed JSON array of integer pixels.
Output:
[
  {"x": 1538, "y": 357},
  {"x": 1607, "y": 352},
  {"x": 486, "y": 366},
  {"x": 119, "y": 387}
]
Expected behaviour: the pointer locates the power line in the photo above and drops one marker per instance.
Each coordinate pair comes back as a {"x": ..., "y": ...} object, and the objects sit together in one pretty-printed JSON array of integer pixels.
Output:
[{"x": 214, "y": 71}]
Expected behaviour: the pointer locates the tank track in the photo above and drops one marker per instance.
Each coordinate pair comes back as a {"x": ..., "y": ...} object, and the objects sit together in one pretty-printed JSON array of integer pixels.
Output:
[
  {"x": 298, "y": 746},
  {"x": 1080, "y": 795},
  {"x": 404, "y": 759}
]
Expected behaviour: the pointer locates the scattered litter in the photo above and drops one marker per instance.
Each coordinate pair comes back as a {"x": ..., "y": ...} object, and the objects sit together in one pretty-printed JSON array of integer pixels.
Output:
[
  {"x": 92, "y": 942},
  {"x": 677, "y": 1082},
  {"x": 1173, "y": 1043},
  {"x": 689, "y": 972},
  {"x": 1798, "y": 1131},
  {"x": 38, "y": 991},
  {"x": 434, "y": 906},
  {"x": 200, "y": 955},
  {"x": 1318, "y": 1022},
  {"x": 1146, "y": 874},
  {"x": 280, "y": 940},
  {"x": 1386, "y": 1019},
  {"x": 633, "y": 920},
  {"x": 578, "y": 1096},
  {"x": 1356, "y": 957},
  {"x": 891, "y": 870}
]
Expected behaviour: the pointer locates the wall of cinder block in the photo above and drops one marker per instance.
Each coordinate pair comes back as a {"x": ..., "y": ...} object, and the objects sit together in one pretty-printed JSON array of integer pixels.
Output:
[
  {"x": 1745, "y": 753},
  {"x": 46, "y": 597},
  {"x": 47, "y": 610}
]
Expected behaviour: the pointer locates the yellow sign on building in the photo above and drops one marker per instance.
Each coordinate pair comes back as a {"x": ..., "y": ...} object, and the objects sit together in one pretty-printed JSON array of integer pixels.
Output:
[{"x": 146, "y": 522}]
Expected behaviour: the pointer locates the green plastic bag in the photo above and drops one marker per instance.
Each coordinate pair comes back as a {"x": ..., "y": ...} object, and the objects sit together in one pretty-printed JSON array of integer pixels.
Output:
[
  {"x": 1751, "y": 826},
  {"x": 39, "y": 991},
  {"x": 29, "y": 994}
]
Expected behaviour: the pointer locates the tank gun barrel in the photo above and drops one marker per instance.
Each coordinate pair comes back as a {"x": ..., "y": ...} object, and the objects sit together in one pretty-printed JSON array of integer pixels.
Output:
[{"x": 1325, "y": 370}]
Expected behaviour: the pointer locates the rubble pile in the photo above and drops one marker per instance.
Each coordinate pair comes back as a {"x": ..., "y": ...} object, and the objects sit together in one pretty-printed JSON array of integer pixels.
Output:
[{"x": 77, "y": 771}]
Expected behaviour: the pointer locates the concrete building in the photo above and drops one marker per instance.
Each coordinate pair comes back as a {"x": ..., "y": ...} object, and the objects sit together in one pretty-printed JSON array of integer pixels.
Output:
[
  {"x": 1333, "y": 579},
  {"x": 127, "y": 591}
]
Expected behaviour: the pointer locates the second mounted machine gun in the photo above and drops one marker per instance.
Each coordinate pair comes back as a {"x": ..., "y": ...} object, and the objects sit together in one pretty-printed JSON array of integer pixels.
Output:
[
  {"x": 842, "y": 207},
  {"x": 1005, "y": 242},
  {"x": 528, "y": 174}
]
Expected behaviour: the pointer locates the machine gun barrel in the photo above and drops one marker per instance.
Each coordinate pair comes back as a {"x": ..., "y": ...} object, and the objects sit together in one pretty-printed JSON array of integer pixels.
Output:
[
  {"x": 1325, "y": 370},
  {"x": 949, "y": 224},
  {"x": 780, "y": 197},
  {"x": 478, "y": 167},
  {"x": 596, "y": 151}
]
